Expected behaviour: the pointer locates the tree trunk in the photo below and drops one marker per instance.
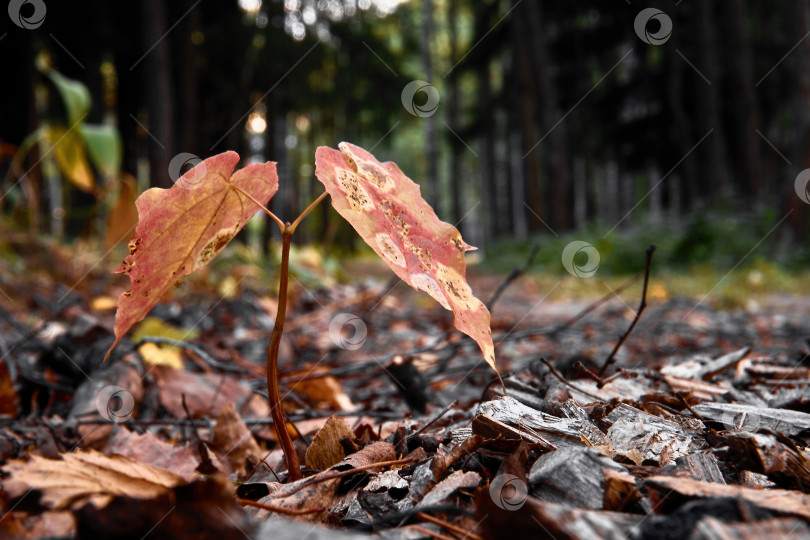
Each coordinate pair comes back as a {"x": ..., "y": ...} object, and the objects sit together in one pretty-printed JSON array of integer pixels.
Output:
[
  {"x": 715, "y": 179},
  {"x": 553, "y": 127},
  {"x": 745, "y": 108},
  {"x": 431, "y": 144},
  {"x": 159, "y": 92},
  {"x": 453, "y": 119},
  {"x": 532, "y": 193}
]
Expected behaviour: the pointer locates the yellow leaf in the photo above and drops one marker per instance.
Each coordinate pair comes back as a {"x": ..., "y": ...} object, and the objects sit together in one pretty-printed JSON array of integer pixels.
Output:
[
  {"x": 71, "y": 155},
  {"x": 165, "y": 355},
  {"x": 103, "y": 303}
]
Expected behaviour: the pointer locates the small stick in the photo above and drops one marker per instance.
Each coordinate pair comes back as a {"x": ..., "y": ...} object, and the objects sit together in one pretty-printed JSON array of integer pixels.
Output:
[
  {"x": 594, "y": 305},
  {"x": 609, "y": 360},
  {"x": 449, "y": 526},
  {"x": 566, "y": 383},
  {"x": 281, "y": 509},
  {"x": 431, "y": 534},
  {"x": 436, "y": 417},
  {"x": 513, "y": 275},
  {"x": 318, "y": 478}
]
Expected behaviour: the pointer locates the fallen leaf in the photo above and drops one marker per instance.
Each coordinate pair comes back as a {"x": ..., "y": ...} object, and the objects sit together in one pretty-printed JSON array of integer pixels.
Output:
[
  {"x": 235, "y": 440},
  {"x": 326, "y": 449},
  {"x": 387, "y": 209},
  {"x": 325, "y": 389},
  {"x": 87, "y": 476},
  {"x": 183, "y": 228},
  {"x": 147, "y": 448}
]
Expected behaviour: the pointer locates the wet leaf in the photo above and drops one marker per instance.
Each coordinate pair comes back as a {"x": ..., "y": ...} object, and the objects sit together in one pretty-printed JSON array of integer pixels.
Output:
[
  {"x": 387, "y": 209},
  {"x": 183, "y": 228}
]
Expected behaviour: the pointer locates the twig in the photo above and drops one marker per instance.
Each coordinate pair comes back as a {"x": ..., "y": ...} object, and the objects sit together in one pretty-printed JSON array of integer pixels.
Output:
[
  {"x": 431, "y": 534},
  {"x": 449, "y": 526},
  {"x": 609, "y": 360},
  {"x": 281, "y": 509},
  {"x": 436, "y": 417},
  {"x": 513, "y": 275},
  {"x": 573, "y": 320},
  {"x": 323, "y": 477},
  {"x": 566, "y": 383}
]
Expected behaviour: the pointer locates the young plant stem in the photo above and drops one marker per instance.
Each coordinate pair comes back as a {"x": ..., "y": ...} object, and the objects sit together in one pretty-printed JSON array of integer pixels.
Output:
[{"x": 273, "y": 393}]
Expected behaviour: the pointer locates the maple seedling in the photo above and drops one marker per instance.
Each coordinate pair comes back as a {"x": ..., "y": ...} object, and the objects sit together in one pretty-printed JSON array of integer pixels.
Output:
[{"x": 182, "y": 228}]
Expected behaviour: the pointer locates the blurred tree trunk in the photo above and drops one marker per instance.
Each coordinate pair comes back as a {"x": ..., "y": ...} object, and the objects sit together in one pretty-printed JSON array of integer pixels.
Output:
[
  {"x": 799, "y": 218},
  {"x": 744, "y": 107},
  {"x": 713, "y": 149},
  {"x": 453, "y": 118},
  {"x": 486, "y": 150},
  {"x": 517, "y": 187},
  {"x": 553, "y": 127},
  {"x": 157, "y": 75},
  {"x": 532, "y": 195},
  {"x": 680, "y": 132},
  {"x": 188, "y": 124},
  {"x": 431, "y": 144}
]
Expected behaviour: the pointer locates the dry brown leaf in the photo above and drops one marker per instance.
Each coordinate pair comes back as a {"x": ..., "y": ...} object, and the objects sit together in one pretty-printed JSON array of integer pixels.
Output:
[
  {"x": 373, "y": 453},
  {"x": 314, "y": 495},
  {"x": 326, "y": 449},
  {"x": 146, "y": 448},
  {"x": 206, "y": 394},
  {"x": 87, "y": 476},
  {"x": 322, "y": 389},
  {"x": 234, "y": 439},
  {"x": 45, "y": 525}
]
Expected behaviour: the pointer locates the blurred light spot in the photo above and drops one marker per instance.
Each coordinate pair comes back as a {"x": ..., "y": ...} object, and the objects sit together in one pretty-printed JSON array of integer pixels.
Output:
[
  {"x": 256, "y": 122},
  {"x": 302, "y": 123},
  {"x": 291, "y": 141},
  {"x": 197, "y": 37},
  {"x": 250, "y": 6},
  {"x": 309, "y": 15}
]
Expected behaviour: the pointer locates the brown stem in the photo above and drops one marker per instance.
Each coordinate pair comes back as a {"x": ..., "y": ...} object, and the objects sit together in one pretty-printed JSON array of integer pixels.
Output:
[
  {"x": 308, "y": 209},
  {"x": 273, "y": 393}
]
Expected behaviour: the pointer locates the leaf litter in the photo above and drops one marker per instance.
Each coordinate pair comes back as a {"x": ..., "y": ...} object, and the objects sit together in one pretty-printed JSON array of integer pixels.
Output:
[{"x": 702, "y": 434}]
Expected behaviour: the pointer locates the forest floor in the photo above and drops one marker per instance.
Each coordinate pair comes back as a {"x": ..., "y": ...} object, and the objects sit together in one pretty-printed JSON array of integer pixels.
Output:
[{"x": 698, "y": 430}]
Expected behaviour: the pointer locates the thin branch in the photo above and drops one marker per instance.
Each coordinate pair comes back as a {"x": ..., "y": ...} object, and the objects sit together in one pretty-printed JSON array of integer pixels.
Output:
[
  {"x": 566, "y": 383},
  {"x": 281, "y": 509},
  {"x": 594, "y": 305},
  {"x": 449, "y": 526},
  {"x": 611, "y": 357},
  {"x": 308, "y": 209},
  {"x": 513, "y": 275}
]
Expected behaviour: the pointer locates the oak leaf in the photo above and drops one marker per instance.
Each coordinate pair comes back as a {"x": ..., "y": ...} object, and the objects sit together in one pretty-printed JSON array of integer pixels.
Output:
[
  {"x": 387, "y": 209},
  {"x": 183, "y": 228}
]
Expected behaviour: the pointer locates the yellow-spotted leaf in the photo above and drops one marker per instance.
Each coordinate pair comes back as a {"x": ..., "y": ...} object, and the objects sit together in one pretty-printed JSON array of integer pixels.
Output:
[
  {"x": 183, "y": 228},
  {"x": 387, "y": 209}
]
